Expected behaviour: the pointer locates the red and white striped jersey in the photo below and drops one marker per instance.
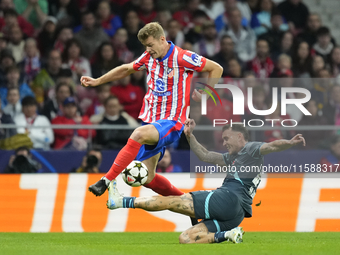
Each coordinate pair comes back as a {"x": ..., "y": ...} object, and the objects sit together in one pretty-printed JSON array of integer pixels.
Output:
[{"x": 168, "y": 79}]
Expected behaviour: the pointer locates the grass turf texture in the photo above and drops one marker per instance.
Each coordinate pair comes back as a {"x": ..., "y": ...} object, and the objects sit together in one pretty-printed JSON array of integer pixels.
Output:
[{"x": 165, "y": 243}]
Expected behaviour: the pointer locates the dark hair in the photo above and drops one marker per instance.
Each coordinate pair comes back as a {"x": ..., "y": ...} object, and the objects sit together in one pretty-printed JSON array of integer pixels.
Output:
[
  {"x": 110, "y": 98},
  {"x": 28, "y": 101},
  {"x": 22, "y": 148},
  {"x": 86, "y": 12},
  {"x": 296, "y": 65},
  {"x": 13, "y": 88},
  {"x": 61, "y": 84},
  {"x": 99, "y": 61},
  {"x": 323, "y": 31},
  {"x": 237, "y": 128},
  {"x": 12, "y": 68},
  {"x": 94, "y": 148},
  {"x": 225, "y": 37},
  {"x": 68, "y": 45},
  {"x": 10, "y": 12}
]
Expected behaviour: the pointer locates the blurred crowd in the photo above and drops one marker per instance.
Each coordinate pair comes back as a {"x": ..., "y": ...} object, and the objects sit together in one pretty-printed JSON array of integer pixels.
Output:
[{"x": 46, "y": 46}]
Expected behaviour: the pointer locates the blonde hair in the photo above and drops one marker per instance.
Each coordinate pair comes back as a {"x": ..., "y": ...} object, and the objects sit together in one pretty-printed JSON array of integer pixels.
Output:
[
  {"x": 284, "y": 56},
  {"x": 153, "y": 29}
]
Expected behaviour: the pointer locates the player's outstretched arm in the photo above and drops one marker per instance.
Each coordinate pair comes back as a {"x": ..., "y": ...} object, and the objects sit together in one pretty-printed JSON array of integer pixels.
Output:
[
  {"x": 281, "y": 145},
  {"x": 115, "y": 74},
  {"x": 201, "y": 152}
]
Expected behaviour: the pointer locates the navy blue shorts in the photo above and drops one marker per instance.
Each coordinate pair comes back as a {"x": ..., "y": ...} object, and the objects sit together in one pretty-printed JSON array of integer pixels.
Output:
[
  {"x": 220, "y": 209},
  {"x": 169, "y": 132}
]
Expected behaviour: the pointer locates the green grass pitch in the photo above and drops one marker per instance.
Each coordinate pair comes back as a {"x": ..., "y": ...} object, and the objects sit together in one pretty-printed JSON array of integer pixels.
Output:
[{"x": 165, "y": 243}]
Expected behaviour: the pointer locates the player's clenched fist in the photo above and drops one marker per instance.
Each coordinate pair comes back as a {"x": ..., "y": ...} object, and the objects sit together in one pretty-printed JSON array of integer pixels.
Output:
[
  {"x": 189, "y": 126},
  {"x": 87, "y": 81}
]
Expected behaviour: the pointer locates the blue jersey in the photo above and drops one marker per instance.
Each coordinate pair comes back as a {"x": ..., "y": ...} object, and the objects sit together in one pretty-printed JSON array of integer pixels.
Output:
[{"x": 245, "y": 175}]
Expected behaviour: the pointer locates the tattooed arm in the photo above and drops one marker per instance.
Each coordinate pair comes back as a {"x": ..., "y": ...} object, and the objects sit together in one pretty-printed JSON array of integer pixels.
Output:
[{"x": 201, "y": 152}]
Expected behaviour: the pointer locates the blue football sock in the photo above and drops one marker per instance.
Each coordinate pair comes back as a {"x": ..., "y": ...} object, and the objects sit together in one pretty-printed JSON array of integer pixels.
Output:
[
  {"x": 129, "y": 202},
  {"x": 220, "y": 237}
]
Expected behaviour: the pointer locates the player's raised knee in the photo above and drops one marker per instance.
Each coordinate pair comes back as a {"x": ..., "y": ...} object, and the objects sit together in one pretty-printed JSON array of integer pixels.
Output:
[{"x": 145, "y": 135}]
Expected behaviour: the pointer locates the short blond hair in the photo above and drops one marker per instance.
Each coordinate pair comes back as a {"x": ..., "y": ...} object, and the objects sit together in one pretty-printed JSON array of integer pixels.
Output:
[{"x": 153, "y": 29}]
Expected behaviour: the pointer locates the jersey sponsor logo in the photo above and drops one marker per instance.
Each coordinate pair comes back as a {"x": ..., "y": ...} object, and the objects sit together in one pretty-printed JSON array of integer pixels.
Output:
[
  {"x": 160, "y": 90},
  {"x": 194, "y": 59}
]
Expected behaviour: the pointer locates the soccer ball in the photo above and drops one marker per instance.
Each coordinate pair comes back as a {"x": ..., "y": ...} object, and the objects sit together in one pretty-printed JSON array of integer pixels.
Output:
[{"x": 135, "y": 174}]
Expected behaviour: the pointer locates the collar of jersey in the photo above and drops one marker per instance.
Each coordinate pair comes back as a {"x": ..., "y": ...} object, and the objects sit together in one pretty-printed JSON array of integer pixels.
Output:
[{"x": 172, "y": 46}]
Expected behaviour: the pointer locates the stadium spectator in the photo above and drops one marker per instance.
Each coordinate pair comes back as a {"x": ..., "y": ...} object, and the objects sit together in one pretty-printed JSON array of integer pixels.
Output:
[
  {"x": 90, "y": 36},
  {"x": 323, "y": 45},
  {"x": 11, "y": 18},
  {"x": 315, "y": 138},
  {"x": 13, "y": 107},
  {"x": 6, "y": 61},
  {"x": 121, "y": 50},
  {"x": 244, "y": 38},
  {"x": 16, "y": 43},
  {"x": 209, "y": 45},
  {"x": 132, "y": 25},
  {"x": 6, "y": 4},
  {"x": 163, "y": 17},
  {"x": 47, "y": 77},
  {"x": 165, "y": 165},
  {"x": 147, "y": 12},
  {"x": 333, "y": 158},
  {"x": 253, "y": 5},
  {"x": 31, "y": 64},
  {"x": 226, "y": 53},
  {"x": 65, "y": 11},
  {"x": 97, "y": 106},
  {"x": 130, "y": 96},
  {"x": 185, "y": 15},
  {"x": 107, "y": 19},
  {"x": 261, "y": 20},
  {"x": 302, "y": 60},
  {"x": 284, "y": 63},
  {"x": 91, "y": 162},
  {"x": 47, "y": 36},
  {"x": 222, "y": 20},
  {"x": 53, "y": 107},
  {"x": 212, "y": 8},
  {"x": 105, "y": 59},
  {"x": 194, "y": 33},
  {"x": 13, "y": 81},
  {"x": 22, "y": 162},
  {"x": 235, "y": 69},
  {"x": 310, "y": 33},
  {"x": 335, "y": 62},
  {"x": 34, "y": 11},
  {"x": 41, "y": 137},
  {"x": 331, "y": 110},
  {"x": 174, "y": 33},
  {"x": 63, "y": 35},
  {"x": 275, "y": 32},
  {"x": 113, "y": 138},
  {"x": 286, "y": 46},
  {"x": 321, "y": 87},
  {"x": 74, "y": 59},
  {"x": 262, "y": 65},
  {"x": 318, "y": 63},
  {"x": 6, "y": 119},
  {"x": 296, "y": 13},
  {"x": 72, "y": 138}
]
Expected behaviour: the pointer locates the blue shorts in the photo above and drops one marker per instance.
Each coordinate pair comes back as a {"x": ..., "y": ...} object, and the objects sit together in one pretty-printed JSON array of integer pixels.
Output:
[{"x": 169, "y": 132}]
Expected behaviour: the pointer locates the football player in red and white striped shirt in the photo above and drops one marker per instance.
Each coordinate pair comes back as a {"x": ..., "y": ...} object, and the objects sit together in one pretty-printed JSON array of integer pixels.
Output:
[{"x": 165, "y": 106}]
